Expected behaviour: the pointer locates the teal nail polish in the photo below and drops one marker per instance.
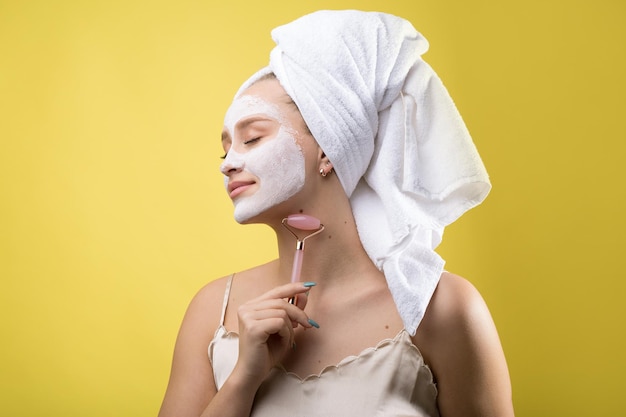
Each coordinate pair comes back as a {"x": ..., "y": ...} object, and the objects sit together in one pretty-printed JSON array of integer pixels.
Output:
[
  {"x": 309, "y": 284},
  {"x": 314, "y": 324}
]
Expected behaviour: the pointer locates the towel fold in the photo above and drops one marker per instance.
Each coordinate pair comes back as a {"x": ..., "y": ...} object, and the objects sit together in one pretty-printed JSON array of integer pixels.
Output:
[{"x": 395, "y": 138}]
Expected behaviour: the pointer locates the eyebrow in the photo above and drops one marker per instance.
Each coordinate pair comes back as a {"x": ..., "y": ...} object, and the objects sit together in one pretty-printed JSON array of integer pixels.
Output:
[
  {"x": 242, "y": 124},
  {"x": 245, "y": 123}
]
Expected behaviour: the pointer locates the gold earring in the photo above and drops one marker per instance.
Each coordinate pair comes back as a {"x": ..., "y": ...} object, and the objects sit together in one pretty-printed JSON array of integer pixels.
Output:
[{"x": 322, "y": 173}]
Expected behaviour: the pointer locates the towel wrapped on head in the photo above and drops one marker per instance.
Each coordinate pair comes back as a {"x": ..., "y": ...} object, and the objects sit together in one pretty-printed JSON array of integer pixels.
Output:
[{"x": 395, "y": 138}]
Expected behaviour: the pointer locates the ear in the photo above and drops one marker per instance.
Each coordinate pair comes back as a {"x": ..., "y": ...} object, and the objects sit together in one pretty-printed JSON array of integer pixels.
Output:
[{"x": 325, "y": 167}]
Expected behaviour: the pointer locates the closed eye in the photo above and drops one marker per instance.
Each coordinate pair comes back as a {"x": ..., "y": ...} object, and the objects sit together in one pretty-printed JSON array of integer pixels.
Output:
[
  {"x": 248, "y": 142},
  {"x": 253, "y": 140}
]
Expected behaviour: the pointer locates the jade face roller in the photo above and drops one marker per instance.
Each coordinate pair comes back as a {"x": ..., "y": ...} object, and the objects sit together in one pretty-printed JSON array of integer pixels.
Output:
[{"x": 300, "y": 222}]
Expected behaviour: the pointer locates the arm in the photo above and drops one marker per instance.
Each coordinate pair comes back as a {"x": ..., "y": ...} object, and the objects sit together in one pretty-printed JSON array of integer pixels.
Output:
[
  {"x": 465, "y": 352},
  {"x": 191, "y": 386},
  {"x": 266, "y": 333}
]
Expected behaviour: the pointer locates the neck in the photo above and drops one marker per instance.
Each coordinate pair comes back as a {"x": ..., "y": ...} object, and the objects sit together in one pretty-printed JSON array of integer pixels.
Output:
[{"x": 333, "y": 257}]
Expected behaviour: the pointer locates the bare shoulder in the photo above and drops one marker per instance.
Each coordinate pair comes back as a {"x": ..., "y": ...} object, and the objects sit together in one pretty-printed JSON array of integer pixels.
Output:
[
  {"x": 191, "y": 384},
  {"x": 203, "y": 312},
  {"x": 202, "y": 317},
  {"x": 456, "y": 316},
  {"x": 459, "y": 340},
  {"x": 208, "y": 300},
  {"x": 455, "y": 302},
  {"x": 206, "y": 306}
]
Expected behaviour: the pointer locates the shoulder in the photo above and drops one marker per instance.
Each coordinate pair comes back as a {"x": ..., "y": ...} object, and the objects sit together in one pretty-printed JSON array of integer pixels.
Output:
[
  {"x": 213, "y": 290},
  {"x": 191, "y": 384},
  {"x": 455, "y": 302},
  {"x": 456, "y": 316},
  {"x": 207, "y": 302},
  {"x": 202, "y": 317},
  {"x": 459, "y": 340}
]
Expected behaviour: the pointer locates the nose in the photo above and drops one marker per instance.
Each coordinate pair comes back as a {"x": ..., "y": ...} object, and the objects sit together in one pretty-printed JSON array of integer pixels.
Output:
[{"x": 233, "y": 163}]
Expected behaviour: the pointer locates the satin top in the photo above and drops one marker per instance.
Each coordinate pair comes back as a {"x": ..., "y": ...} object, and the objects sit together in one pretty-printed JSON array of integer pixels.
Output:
[{"x": 389, "y": 379}]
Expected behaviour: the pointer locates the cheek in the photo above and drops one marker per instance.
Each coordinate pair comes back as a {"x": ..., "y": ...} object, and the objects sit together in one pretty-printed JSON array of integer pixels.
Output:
[{"x": 280, "y": 157}]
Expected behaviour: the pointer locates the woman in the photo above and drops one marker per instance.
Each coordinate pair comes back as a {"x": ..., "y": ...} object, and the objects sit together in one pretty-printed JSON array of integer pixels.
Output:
[{"x": 350, "y": 126}]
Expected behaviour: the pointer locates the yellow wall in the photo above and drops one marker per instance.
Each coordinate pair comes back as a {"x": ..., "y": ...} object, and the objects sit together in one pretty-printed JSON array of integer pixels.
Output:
[{"x": 112, "y": 212}]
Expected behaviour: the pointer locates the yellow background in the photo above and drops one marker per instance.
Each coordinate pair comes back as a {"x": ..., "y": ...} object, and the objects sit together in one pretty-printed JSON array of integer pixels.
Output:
[{"x": 112, "y": 210}]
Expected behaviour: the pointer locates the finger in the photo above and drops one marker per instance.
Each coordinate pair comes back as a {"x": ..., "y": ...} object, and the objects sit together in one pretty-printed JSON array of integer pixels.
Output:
[
  {"x": 301, "y": 300},
  {"x": 276, "y": 326},
  {"x": 265, "y": 327},
  {"x": 281, "y": 341},
  {"x": 287, "y": 291},
  {"x": 264, "y": 309}
]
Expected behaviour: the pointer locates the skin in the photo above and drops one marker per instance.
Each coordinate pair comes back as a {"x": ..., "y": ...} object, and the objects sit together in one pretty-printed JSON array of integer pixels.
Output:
[
  {"x": 266, "y": 150},
  {"x": 351, "y": 302}
]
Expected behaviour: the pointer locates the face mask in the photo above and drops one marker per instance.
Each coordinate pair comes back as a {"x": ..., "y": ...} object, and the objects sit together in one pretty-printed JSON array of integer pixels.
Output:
[{"x": 277, "y": 163}]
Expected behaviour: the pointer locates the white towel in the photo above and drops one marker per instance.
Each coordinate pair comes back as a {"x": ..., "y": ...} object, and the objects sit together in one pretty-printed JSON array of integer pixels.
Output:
[{"x": 393, "y": 134}]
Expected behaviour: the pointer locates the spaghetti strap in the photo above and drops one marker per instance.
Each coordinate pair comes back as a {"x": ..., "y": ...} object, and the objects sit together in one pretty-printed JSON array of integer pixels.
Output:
[{"x": 229, "y": 283}]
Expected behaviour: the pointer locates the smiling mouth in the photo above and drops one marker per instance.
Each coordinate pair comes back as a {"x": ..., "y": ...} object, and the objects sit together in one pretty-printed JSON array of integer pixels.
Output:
[{"x": 238, "y": 187}]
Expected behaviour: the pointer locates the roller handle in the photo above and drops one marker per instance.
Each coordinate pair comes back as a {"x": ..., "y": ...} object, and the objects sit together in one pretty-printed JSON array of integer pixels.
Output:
[{"x": 297, "y": 265}]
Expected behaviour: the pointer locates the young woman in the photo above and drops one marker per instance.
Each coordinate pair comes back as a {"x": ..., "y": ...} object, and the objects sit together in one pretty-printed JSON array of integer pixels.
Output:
[{"x": 347, "y": 125}]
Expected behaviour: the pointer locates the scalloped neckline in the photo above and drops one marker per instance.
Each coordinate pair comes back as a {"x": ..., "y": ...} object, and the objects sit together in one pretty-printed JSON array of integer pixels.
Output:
[{"x": 345, "y": 361}]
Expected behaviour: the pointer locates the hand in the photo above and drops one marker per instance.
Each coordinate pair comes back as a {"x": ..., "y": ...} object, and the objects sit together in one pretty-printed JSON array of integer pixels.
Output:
[{"x": 266, "y": 329}]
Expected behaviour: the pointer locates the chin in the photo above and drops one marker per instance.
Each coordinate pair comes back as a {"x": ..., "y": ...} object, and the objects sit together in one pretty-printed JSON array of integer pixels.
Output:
[
  {"x": 246, "y": 221},
  {"x": 257, "y": 208},
  {"x": 243, "y": 217},
  {"x": 271, "y": 216}
]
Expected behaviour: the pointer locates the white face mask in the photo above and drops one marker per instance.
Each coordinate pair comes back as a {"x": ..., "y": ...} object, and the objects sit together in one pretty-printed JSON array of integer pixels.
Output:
[{"x": 277, "y": 163}]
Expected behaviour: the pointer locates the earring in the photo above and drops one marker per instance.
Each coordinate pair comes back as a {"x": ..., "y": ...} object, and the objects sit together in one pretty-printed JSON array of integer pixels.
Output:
[{"x": 322, "y": 173}]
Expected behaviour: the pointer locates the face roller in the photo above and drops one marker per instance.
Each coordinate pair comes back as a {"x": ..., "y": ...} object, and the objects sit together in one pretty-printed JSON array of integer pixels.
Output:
[{"x": 300, "y": 222}]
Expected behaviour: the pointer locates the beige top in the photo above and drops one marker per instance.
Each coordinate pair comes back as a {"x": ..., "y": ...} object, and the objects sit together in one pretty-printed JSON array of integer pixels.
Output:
[{"x": 390, "y": 379}]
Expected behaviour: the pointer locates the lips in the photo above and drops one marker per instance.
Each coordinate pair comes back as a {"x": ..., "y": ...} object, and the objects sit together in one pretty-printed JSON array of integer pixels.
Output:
[{"x": 237, "y": 187}]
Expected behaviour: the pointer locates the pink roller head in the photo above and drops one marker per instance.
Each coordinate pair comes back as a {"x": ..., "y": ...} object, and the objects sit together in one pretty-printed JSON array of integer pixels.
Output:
[
  {"x": 303, "y": 222},
  {"x": 300, "y": 222}
]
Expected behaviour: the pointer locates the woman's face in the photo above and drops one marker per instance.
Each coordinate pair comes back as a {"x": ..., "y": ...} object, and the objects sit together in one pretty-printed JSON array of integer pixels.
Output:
[{"x": 264, "y": 163}]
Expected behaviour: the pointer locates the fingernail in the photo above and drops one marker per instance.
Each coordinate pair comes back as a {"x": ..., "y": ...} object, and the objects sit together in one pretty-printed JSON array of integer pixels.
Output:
[
  {"x": 314, "y": 324},
  {"x": 293, "y": 346},
  {"x": 309, "y": 284}
]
